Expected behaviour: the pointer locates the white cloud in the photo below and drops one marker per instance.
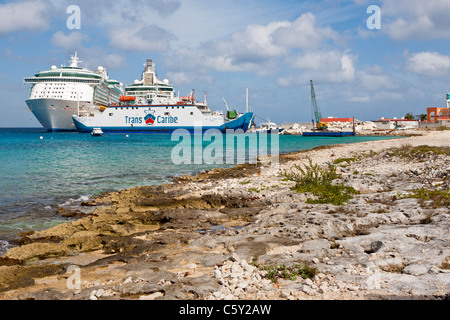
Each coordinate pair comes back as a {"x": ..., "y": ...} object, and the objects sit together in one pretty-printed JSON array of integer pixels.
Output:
[
  {"x": 428, "y": 63},
  {"x": 250, "y": 50},
  {"x": 134, "y": 26},
  {"x": 183, "y": 78},
  {"x": 255, "y": 41},
  {"x": 360, "y": 99},
  {"x": 376, "y": 81},
  {"x": 331, "y": 66},
  {"x": 24, "y": 16},
  {"x": 139, "y": 37},
  {"x": 72, "y": 41},
  {"x": 91, "y": 57},
  {"x": 303, "y": 33},
  {"x": 112, "y": 61},
  {"x": 416, "y": 19},
  {"x": 258, "y": 49},
  {"x": 119, "y": 11}
]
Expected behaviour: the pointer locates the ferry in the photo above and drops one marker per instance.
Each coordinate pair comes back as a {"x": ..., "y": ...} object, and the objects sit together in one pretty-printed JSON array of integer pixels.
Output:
[
  {"x": 151, "y": 106},
  {"x": 59, "y": 93}
]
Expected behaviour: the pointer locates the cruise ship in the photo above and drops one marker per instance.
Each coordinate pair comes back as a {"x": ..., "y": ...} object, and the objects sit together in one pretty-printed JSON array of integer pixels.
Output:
[
  {"x": 59, "y": 93},
  {"x": 151, "y": 106}
]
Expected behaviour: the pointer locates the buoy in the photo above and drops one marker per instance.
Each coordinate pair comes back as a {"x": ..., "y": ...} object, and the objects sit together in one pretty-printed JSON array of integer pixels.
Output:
[
  {"x": 127, "y": 136},
  {"x": 41, "y": 137}
]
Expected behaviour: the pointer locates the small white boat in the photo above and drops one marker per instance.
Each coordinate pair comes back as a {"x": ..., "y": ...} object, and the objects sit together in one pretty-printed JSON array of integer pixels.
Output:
[
  {"x": 97, "y": 132},
  {"x": 268, "y": 128}
]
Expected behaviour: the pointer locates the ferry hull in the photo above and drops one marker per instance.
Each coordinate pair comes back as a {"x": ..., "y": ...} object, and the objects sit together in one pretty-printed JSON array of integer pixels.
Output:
[
  {"x": 53, "y": 114},
  {"x": 243, "y": 122}
]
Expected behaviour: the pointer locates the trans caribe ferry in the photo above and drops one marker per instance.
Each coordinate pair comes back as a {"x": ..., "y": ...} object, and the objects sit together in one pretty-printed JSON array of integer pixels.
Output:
[{"x": 151, "y": 106}]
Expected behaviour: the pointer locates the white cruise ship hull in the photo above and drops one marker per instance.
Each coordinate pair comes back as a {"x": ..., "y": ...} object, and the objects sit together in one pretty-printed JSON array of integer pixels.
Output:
[{"x": 55, "y": 114}]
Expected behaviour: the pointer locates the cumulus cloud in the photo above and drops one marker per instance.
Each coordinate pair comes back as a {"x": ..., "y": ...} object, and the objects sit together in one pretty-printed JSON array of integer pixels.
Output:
[
  {"x": 416, "y": 19},
  {"x": 140, "y": 37},
  {"x": 91, "y": 56},
  {"x": 303, "y": 33},
  {"x": 376, "y": 79},
  {"x": 129, "y": 27},
  {"x": 111, "y": 12},
  {"x": 24, "y": 16},
  {"x": 255, "y": 41},
  {"x": 71, "y": 41},
  {"x": 374, "y": 84},
  {"x": 258, "y": 48},
  {"x": 332, "y": 66},
  {"x": 183, "y": 78},
  {"x": 428, "y": 63}
]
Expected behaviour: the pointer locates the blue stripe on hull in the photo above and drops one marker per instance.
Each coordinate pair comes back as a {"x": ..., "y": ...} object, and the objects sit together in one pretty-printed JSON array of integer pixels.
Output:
[
  {"x": 328, "y": 134},
  {"x": 61, "y": 130}
]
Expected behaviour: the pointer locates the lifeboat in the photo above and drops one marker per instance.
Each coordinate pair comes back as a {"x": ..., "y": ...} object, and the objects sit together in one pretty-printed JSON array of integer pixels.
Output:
[
  {"x": 127, "y": 98},
  {"x": 190, "y": 98}
]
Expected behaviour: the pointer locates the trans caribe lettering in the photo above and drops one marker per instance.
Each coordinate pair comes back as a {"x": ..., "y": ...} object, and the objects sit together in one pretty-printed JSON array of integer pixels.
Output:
[{"x": 159, "y": 119}]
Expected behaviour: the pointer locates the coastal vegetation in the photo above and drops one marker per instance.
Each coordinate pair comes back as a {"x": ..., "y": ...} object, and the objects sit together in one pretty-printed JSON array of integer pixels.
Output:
[
  {"x": 409, "y": 152},
  {"x": 432, "y": 198},
  {"x": 355, "y": 158},
  {"x": 281, "y": 271},
  {"x": 319, "y": 182}
]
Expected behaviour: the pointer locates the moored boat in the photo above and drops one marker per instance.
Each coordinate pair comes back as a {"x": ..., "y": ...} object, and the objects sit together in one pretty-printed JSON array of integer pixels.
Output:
[
  {"x": 59, "y": 93},
  {"x": 97, "y": 132},
  {"x": 150, "y": 106}
]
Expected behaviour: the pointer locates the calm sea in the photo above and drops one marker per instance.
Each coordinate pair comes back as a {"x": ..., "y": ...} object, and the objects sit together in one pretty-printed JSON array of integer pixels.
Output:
[{"x": 40, "y": 171}]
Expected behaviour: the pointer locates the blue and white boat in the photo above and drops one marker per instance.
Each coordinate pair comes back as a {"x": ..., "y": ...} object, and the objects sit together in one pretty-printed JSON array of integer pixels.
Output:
[{"x": 151, "y": 106}]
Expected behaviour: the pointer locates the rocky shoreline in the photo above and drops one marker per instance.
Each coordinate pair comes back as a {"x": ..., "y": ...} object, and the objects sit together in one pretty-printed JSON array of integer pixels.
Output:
[{"x": 245, "y": 234}]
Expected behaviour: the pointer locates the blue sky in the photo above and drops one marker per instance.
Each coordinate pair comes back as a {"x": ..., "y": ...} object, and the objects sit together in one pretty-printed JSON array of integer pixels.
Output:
[{"x": 271, "y": 47}]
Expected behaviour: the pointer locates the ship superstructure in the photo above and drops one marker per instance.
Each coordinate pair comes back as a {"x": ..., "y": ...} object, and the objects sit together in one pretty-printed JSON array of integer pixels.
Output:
[
  {"x": 59, "y": 93},
  {"x": 151, "y": 90}
]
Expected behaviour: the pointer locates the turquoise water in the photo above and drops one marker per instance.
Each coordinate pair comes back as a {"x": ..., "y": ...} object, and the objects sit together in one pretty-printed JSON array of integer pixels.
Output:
[{"x": 64, "y": 169}]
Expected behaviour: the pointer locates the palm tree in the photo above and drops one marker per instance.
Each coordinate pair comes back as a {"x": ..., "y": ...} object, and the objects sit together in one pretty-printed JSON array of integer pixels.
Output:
[
  {"x": 409, "y": 116},
  {"x": 422, "y": 117}
]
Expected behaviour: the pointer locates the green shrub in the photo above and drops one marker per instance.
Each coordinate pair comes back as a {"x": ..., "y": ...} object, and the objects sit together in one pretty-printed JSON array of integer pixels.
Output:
[
  {"x": 409, "y": 152},
  {"x": 318, "y": 181},
  {"x": 438, "y": 198},
  {"x": 275, "y": 272}
]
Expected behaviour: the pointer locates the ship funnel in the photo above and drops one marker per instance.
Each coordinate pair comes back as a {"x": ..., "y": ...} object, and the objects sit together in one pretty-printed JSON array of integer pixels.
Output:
[
  {"x": 149, "y": 74},
  {"x": 149, "y": 65}
]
